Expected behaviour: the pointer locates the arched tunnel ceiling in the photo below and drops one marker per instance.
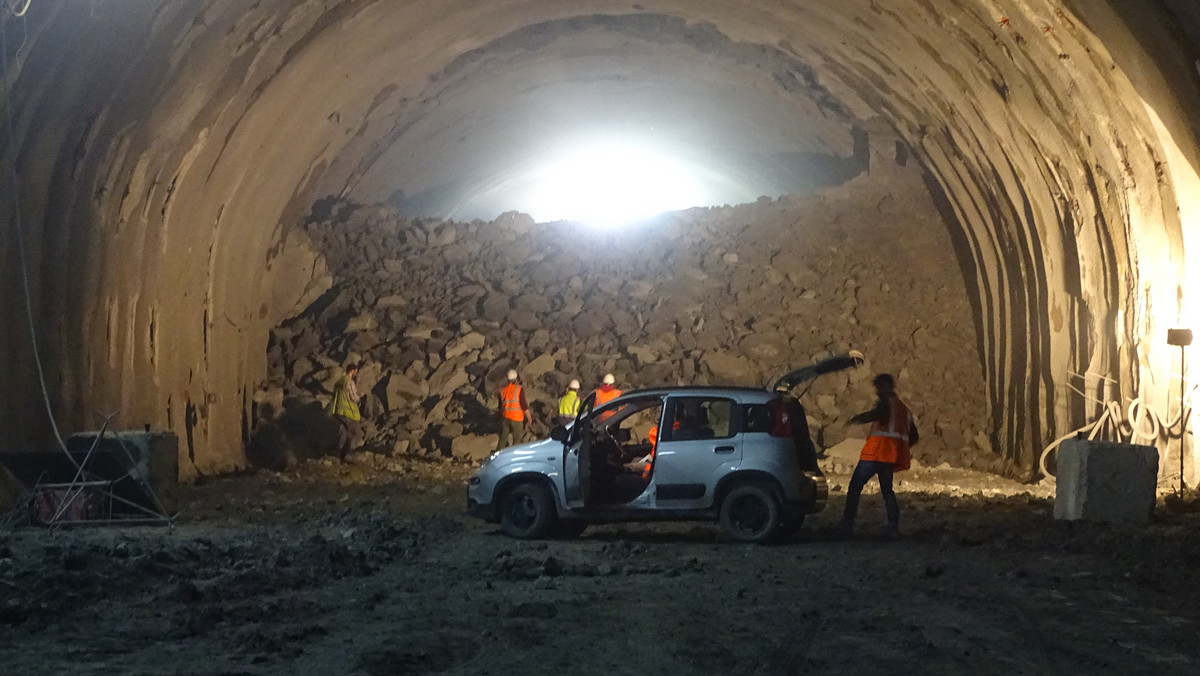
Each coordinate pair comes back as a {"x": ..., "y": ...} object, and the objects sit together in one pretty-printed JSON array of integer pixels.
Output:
[
  {"x": 753, "y": 115},
  {"x": 162, "y": 148}
]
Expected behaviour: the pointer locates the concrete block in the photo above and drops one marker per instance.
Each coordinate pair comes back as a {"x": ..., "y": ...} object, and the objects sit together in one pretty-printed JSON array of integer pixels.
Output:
[{"x": 1107, "y": 482}]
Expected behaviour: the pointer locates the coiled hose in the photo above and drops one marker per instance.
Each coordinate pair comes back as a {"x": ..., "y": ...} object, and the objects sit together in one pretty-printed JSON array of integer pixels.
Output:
[{"x": 1140, "y": 423}]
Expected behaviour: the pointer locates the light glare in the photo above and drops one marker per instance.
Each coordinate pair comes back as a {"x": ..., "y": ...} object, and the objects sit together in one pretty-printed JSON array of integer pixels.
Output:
[{"x": 612, "y": 184}]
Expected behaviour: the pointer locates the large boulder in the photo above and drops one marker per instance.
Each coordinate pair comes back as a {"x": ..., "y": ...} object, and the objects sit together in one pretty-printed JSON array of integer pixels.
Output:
[
  {"x": 538, "y": 367},
  {"x": 361, "y": 322},
  {"x": 843, "y": 456},
  {"x": 642, "y": 355},
  {"x": 448, "y": 377},
  {"x": 495, "y": 307},
  {"x": 401, "y": 389},
  {"x": 468, "y": 343},
  {"x": 728, "y": 368},
  {"x": 474, "y": 447},
  {"x": 391, "y": 301}
]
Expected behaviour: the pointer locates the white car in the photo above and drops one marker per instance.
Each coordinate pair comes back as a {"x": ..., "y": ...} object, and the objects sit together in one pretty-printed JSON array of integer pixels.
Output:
[{"x": 741, "y": 456}]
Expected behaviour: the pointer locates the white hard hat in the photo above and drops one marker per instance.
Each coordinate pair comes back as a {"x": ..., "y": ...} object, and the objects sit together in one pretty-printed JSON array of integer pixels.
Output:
[
  {"x": 512, "y": 374},
  {"x": 574, "y": 384},
  {"x": 609, "y": 379}
]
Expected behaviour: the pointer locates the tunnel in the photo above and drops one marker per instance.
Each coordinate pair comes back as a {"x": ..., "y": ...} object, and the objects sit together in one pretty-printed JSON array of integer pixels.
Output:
[{"x": 160, "y": 156}]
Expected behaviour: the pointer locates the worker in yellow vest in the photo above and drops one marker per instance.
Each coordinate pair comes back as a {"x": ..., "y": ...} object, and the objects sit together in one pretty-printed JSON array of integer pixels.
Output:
[
  {"x": 606, "y": 393},
  {"x": 514, "y": 411},
  {"x": 344, "y": 409},
  {"x": 888, "y": 450},
  {"x": 568, "y": 405}
]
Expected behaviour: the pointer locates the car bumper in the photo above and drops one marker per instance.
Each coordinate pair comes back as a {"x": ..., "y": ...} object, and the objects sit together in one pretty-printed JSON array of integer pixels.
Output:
[
  {"x": 820, "y": 491},
  {"x": 814, "y": 493}
]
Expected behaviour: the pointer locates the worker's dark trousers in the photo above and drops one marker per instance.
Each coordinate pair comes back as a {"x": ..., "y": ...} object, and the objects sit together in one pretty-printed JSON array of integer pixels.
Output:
[
  {"x": 511, "y": 432},
  {"x": 350, "y": 435},
  {"x": 862, "y": 474}
]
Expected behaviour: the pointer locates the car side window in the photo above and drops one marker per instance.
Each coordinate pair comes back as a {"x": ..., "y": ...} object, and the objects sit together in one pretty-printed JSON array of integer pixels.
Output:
[{"x": 690, "y": 418}]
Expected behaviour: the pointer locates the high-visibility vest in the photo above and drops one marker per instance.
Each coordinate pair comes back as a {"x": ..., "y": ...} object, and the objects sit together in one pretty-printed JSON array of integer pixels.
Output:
[
  {"x": 343, "y": 405},
  {"x": 888, "y": 439},
  {"x": 649, "y": 464},
  {"x": 510, "y": 402},
  {"x": 602, "y": 398},
  {"x": 568, "y": 406},
  {"x": 653, "y": 436}
]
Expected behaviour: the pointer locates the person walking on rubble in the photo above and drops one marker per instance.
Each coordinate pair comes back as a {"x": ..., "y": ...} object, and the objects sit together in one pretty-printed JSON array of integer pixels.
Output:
[
  {"x": 887, "y": 451},
  {"x": 514, "y": 411},
  {"x": 568, "y": 405},
  {"x": 344, "y": 408}
]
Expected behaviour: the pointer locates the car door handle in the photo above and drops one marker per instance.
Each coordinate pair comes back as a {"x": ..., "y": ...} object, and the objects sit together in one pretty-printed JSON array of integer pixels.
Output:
[{"x": 723, "y": 449}]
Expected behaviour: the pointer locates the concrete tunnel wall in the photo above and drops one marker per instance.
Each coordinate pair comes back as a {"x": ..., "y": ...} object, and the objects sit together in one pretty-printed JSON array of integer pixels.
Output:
[{"x": 162, "y": 148}]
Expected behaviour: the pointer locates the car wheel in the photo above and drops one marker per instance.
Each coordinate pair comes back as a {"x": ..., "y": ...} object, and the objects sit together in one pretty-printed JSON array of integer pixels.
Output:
[
  {"x": 527, "y": 511},
  {"x": 570, "y": 529},
  {"x": 750, "y": 513}
]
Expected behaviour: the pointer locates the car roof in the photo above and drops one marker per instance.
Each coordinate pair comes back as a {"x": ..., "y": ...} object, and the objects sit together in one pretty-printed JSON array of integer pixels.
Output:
[{"x": 742, "y": 394}]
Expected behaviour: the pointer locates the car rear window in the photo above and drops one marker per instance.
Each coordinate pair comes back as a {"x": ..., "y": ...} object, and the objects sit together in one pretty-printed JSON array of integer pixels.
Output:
[{"x": 756, "y": 417}]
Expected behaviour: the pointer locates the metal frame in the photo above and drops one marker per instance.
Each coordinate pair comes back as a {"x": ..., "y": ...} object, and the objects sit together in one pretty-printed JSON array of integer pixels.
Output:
[{"x": 86, "y": 481}]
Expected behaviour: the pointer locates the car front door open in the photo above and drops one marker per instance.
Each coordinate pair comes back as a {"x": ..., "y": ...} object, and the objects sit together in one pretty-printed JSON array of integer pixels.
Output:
[{"x": 576, "y": 455}]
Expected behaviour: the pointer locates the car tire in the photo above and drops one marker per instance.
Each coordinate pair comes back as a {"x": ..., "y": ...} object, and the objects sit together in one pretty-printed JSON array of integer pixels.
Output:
[
  {"x": 527, "y": 511},
  {"x": 750, "y": 513}
]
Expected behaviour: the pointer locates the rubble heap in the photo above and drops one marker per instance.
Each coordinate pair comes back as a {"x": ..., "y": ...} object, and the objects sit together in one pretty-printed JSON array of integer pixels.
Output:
[{"x": 438, "y": 311}]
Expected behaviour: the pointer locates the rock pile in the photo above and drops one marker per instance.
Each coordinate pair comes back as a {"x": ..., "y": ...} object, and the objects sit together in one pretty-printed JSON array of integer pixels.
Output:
[{"x": 438, "y": 311}]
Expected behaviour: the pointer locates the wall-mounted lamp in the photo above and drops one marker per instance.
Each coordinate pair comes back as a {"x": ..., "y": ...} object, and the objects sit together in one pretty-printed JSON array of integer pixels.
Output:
[{"x": 1182, "y": 338}]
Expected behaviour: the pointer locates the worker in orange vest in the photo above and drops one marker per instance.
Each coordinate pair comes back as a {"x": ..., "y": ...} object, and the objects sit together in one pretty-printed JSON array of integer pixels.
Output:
[
  {"x": 606, "y": 393},
  {"x": 648, "y": 461},
  {"x": 892, "y": 434},
  {"x": 514, "y": 411}
]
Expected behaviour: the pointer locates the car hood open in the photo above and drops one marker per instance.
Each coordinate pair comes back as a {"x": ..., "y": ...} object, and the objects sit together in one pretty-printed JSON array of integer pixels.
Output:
[{"x": 852, "y": 359}]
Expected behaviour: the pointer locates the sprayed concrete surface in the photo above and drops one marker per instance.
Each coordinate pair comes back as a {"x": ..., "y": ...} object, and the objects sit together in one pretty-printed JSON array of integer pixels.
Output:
[{"x": 372, "y": 570}]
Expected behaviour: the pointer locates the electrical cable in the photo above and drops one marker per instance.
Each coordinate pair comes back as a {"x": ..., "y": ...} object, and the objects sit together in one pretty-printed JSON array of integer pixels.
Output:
[
  {"x": 1131, "y": 426},
  {"x": 14, "y": 183},
  {"x": 19, "y": 12}
]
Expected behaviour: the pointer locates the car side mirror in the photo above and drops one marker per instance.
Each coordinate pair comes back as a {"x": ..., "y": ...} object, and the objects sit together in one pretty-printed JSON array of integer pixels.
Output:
[{"x": 558, "y": 433}]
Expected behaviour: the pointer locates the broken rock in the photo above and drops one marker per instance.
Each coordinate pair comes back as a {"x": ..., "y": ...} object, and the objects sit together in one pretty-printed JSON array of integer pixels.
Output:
[
  {"x": 728, "y": 368},
  {"x": 474, "y": 447}
]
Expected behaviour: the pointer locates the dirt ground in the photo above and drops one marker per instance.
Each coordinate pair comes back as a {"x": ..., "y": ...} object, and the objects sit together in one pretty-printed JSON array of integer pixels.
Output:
[{"x": 351, "y": 569}]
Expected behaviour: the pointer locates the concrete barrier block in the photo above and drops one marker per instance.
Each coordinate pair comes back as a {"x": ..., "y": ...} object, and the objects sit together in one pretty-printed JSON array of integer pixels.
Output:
[{"x": 1105, "y": 481}]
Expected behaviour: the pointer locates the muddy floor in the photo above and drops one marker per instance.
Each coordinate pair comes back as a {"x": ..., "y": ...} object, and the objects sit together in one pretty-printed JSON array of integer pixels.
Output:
[{"x": 352, "y": 569}]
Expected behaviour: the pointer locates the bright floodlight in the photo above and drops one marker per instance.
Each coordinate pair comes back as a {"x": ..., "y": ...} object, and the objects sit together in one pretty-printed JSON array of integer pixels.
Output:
[{"x": 612, "y": 184}]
